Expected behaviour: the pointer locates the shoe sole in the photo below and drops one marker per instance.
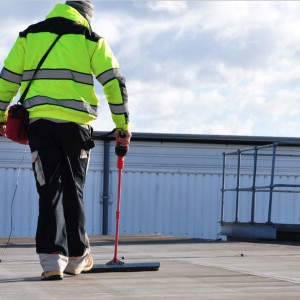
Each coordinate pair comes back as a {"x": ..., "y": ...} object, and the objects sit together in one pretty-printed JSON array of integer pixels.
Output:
[{"x": 52, "y": 275}]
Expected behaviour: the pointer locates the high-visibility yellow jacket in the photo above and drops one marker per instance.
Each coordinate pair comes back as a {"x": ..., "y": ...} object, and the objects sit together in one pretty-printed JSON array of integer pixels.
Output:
[{"x": 63, "y": 88}]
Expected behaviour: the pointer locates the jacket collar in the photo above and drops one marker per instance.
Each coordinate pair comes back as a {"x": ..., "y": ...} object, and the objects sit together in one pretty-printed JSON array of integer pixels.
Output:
[{"x": 68, "y": 12}]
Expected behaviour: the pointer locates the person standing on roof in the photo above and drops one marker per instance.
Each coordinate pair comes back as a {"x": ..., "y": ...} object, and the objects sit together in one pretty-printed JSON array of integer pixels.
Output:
[{"x": 62, "y": 103}]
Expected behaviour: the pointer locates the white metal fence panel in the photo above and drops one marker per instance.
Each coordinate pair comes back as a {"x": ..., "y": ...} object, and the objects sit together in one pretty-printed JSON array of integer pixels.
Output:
[{"x": 179, "y": 204}]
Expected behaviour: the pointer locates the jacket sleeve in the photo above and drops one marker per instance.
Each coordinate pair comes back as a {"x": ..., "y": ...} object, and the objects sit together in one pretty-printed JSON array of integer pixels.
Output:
[
  {"x": 11, "y": 76},
  {"x": 106, "y": 68}
]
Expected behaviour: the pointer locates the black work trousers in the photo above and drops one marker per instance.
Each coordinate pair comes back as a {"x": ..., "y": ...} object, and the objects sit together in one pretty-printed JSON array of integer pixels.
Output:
[{"x": 60, "y": 155}]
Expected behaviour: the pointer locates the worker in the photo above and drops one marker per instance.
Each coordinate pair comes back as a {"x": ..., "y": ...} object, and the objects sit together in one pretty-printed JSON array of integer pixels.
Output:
[{"x": 61, "y": 103}]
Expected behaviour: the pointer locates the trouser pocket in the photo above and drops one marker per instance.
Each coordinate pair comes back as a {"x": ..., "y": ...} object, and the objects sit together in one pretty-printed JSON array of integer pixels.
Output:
[{"x": 38, "y": 168}]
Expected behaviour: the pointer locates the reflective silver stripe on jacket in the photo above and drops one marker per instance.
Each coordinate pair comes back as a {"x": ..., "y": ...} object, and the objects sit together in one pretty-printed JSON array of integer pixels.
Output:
[
  {"x": 72, "y": 104},
  {"x": 3, "y": 105},
  {"x": 60, "y": 74},
  {"x": 118, "y": 109},
  {"x": 10, "y": 76},
  {"x": 109, "y": 75}
]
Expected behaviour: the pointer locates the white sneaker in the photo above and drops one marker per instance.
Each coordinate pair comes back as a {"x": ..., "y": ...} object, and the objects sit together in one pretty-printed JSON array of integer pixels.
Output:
[{"x": 76, "y": 265}]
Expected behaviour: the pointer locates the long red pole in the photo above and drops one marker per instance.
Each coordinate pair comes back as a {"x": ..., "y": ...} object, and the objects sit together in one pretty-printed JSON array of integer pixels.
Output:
[{"x": 120, "y": 166}]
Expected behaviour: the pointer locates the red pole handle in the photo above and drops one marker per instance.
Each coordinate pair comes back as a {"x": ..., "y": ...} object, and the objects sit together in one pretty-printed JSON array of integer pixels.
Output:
[{"x": 120, "y": 163}]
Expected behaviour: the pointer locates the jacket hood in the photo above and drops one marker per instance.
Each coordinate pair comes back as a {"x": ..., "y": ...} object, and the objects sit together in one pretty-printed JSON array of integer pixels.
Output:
[{"x": 68, "y": 12}]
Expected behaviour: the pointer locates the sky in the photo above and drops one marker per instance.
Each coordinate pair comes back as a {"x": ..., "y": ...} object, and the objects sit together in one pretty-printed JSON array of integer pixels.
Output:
[{"x": 193, "y": 67}]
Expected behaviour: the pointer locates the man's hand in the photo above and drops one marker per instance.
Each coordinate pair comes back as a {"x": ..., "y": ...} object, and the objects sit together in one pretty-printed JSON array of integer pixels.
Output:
[
  {"x": 3, "y": 129},
  {"x": 123, "y": 138}
]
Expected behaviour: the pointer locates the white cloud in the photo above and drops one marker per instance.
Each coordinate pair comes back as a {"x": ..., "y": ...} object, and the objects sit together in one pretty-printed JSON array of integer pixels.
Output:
[
  {"x": 107, "y": 29},
  {"x": 170, "y": 109},
  {"x": 8, "y": 37},
  {"x": 173, "y": 7}
]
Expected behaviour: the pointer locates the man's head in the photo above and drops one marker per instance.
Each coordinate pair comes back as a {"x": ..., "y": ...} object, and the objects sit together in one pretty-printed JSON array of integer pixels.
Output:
[{"x": 85, "y": 7}]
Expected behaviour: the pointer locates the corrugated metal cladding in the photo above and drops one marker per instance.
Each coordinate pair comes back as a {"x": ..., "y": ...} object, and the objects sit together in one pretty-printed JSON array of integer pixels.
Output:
[{"x": 171, "y": 188}]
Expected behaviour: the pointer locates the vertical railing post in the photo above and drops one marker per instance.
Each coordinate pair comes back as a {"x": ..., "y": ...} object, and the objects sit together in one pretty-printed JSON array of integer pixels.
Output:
[
  {"x": 254, "y": 185},
  {"x": 272, "y": 183},
  {"x": 223, "y": 188},
  {"x": 237, "y": 186}
]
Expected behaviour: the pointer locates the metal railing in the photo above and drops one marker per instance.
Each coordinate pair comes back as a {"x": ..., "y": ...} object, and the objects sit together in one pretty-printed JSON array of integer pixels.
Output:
[{"x": 271, "y": 188}]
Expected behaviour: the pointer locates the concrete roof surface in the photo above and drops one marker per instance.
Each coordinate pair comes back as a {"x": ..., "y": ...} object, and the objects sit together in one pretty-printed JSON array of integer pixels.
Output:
[{"x": 189, "y": 269}]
